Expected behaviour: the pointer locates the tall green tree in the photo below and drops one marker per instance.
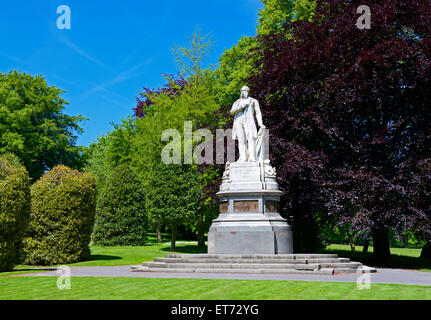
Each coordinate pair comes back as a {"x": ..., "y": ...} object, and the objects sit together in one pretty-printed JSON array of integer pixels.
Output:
[
  {"x": 278, "y": 14},
  {"x": 175, "y": 196},
  {"x": 121, "y": 219},
  {"x": 33, "y": 125},
  {"x": 274, "y": 16},
  {"x": 235, "y": 66},
  {"x": 190, "y": 101},
  {"x": 170, "y": 109},
  {"x": 110, "y": 151},
  {"x": 304, "y": 10}
]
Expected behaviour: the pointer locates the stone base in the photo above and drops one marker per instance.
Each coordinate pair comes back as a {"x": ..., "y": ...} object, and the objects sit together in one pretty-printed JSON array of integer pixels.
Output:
[
  {"x": 249, "y": 221},
  {"x": 250, "y": 234}
]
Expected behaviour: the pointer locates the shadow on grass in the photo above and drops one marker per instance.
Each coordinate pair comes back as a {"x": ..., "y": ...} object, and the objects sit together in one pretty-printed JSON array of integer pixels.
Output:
[
  {"x": 187, "y": 249},
  {"x": 398, "y": 262},
  {"x": 102, "y": 257},
  {"x": 35, "y": 269}
]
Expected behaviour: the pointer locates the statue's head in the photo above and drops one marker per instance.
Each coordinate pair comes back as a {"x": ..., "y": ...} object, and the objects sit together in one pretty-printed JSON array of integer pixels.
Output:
[{"x": 245, "y": 91}]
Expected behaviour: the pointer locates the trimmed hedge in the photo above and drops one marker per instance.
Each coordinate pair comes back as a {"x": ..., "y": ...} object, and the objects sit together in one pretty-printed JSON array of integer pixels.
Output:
[
  {"x": 121, "y": 218},
  {"x": 14, "y": 209},
  {"x": 62, "y": 217}
]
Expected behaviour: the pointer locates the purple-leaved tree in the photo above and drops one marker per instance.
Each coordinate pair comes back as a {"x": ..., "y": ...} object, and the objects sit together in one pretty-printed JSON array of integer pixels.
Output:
[{"x": 349, "y": 115}]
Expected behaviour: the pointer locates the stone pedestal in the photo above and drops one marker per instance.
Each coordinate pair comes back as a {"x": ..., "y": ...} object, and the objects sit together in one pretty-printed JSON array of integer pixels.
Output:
[{"x": 249, "y": 221}]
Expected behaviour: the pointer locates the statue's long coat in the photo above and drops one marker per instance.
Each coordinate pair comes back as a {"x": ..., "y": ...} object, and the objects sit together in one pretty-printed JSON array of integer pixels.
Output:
[{"x": 246, "y": 117}]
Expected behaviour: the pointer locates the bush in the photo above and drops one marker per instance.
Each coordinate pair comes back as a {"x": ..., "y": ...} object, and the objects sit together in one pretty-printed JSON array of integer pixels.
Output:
[
  {"x": 121, "y": 219},
  {"x": 62, "y": 217},
  {"x": 14, "y": 209}
]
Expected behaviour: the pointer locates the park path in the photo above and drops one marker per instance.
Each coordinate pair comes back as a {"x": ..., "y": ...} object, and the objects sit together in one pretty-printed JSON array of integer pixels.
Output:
[{"x": 388, "y": 276}]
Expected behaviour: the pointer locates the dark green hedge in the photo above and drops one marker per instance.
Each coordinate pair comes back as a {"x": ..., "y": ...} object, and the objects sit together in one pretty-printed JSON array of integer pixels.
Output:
[
  {"x": 62, "y": 217},
  {"x": 14, "y": 209},
  {"x": 121, "y": 218}
]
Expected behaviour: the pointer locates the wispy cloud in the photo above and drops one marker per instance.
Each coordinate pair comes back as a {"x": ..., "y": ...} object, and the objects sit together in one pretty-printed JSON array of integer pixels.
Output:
[
  {"x": 80, "y": 51},
  {"x": 15, "y": 59},
  {"x": 123, "y": 76}
]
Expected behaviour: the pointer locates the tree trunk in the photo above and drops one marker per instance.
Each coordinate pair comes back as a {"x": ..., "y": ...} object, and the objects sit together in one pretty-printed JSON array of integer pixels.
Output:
[
  {"x": 159, "y": 234},
  {"x": 352, "y": 243},
  {"x": 201, "y": 235},
  {"x": 366, "y": 245},
  {"x": 382, "y": 251},
  {"x": 426, "y": 251},
  {"x": 174, "y": 237}
]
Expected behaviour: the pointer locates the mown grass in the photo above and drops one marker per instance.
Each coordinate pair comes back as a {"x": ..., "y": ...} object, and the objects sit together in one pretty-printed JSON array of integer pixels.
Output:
[
  {"x": 45, "y": 288},
  {"x": 402, "y": 258},
  {"x": 124, "y": 256}
]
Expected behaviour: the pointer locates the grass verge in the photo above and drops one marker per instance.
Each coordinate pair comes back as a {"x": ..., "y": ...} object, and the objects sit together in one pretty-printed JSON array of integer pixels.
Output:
[
  {"x": 402, "y": 258},
  {"x": 44, "y": 288}
]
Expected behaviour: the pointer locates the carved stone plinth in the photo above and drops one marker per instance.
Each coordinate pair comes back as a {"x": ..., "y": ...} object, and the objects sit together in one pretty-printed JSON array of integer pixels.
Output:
[{"x": 249, "y": 221}]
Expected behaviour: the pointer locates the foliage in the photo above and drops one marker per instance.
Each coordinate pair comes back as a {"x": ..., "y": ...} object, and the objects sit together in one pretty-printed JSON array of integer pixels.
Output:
[
  {"x": 173, "y": 87},
  {"x": 33, "y": 125},
  {"x": 235, "y": 66},
  {"x": 274, "y": 16},
  {"x": 14, "y": 209},
  {"x": 175, "y": 195},
  {"x": 111, "y": 151},
  {"x": 121, "y": 218},
  {"x": 349, "y": 117},
  {"x": 190, "y": 99},
  {"x": 62, "y": 217},
  {"x": 191, "y": 59},
  {"x": 238, "y": 64},
  {"x": 195, "y": 103},
  {"x": 277, "y": 15},
  {"x": 304, "y": 10},
  {"x": 98, "y": 163}
]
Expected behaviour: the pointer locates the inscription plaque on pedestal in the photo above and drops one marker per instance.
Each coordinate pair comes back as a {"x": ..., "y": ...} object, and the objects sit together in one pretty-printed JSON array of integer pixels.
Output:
[
  {"x": 224, "y": 206},
  {"x": 245, "y": 206},
  {"x": 271, "y": 206}
]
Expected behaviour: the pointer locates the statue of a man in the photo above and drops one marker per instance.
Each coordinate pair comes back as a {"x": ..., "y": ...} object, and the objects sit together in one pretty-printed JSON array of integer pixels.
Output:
[{"x": 244, "y": 126}]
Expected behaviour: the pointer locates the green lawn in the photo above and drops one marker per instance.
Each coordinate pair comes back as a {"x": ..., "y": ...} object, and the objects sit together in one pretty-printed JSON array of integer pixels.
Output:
[
  {"x": 402, "y": 258},
  {"x": 409, "y": 252},
  {"x": 124, "y": 256},
  {"x": 28, "y": 288},
  {"x": 120, "y": 256},
  {"x": 199, "y": 289}
]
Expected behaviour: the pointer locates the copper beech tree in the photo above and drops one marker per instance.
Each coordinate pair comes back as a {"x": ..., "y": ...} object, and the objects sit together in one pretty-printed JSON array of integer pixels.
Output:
[{"x": 349, "y": 114}]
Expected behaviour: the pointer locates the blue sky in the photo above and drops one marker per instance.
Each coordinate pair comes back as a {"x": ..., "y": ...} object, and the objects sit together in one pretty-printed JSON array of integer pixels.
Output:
[{"x": 113, "y": 48}]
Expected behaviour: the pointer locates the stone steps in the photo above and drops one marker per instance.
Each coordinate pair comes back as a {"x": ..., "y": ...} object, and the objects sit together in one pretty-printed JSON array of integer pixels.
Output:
[
  {"x": 254, "y": 256},
  {"x": 251, "y": 261},
  {"x": 253, "y": 264},
  {"x": 232, "y": 266},
  {"x": 234, "y": 271}
]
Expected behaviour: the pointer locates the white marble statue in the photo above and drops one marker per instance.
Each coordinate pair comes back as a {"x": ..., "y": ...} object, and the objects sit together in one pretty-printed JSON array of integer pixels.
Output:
[{"x": 249, "y": 139}]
